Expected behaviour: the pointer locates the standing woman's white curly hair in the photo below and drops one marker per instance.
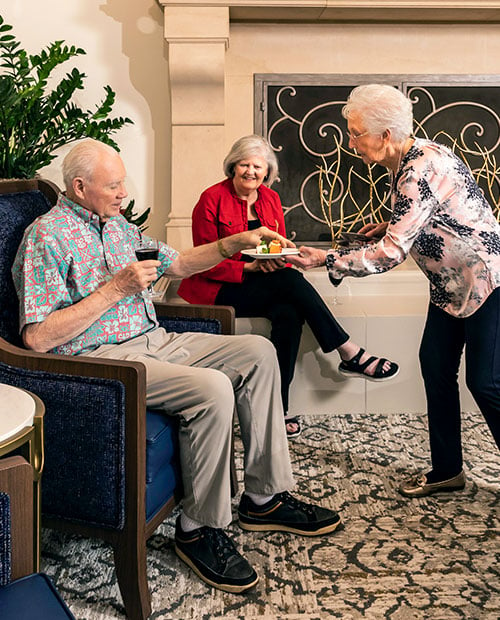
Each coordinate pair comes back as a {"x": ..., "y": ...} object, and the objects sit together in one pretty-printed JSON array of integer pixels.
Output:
[
  {"x": 252, "y": 146},
  {"x": 381, "y": 107}
]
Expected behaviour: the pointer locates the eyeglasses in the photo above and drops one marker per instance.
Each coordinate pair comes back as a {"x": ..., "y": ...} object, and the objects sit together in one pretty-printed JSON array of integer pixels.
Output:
[{"x": 356, "y": 136}]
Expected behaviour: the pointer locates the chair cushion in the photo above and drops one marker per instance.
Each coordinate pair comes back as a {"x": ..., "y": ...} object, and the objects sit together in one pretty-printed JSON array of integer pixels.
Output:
[
  {"x": 31, "y": 597},
  {"x": 162, "y": 441},
  {"x": 162, "y": 460},
  {"x": 162, "y": 488},
  {"x": 182, "y": 324}
]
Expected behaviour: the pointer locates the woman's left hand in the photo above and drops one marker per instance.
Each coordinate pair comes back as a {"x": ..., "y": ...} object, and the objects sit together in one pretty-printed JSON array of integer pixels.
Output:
[
  {"x": 271, "y": 264},
  {"x": 264, "y": 265}
]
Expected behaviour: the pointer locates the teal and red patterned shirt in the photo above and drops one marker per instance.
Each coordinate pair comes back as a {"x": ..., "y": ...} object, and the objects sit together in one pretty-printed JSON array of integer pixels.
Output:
[{"x": 65, "y": 256}]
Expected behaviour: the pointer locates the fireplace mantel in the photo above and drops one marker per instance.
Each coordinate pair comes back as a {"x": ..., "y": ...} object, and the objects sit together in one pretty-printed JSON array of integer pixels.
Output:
[{"x": 375, "y": 11}]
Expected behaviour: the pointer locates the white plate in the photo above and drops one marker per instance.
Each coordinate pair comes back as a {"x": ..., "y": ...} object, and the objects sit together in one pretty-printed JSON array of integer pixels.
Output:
[{"x": 284, "y": 252}]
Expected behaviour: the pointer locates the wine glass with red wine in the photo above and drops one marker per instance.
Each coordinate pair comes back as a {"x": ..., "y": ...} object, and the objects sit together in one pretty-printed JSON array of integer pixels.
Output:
[{"x": 147, "y": 249}]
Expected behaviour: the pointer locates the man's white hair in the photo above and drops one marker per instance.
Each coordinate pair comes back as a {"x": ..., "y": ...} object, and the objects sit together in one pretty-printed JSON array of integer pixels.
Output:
[{"x": 82, "y": 159}]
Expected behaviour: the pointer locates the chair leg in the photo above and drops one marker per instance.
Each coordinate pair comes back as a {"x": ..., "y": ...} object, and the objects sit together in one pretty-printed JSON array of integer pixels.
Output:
[
  {"x": 130, "y": 566},
  {"x": 232, "y": 466}
]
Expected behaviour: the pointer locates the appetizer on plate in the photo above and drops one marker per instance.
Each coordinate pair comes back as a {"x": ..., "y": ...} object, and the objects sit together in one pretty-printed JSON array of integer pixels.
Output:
[
  {"x": 271, "y": 251},
  {"x": 274, "y": 247},
  {"x": 262, "y": 248}
]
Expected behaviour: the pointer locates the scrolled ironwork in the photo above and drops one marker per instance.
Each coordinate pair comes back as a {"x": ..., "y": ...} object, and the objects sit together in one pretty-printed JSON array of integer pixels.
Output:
[{"x": 325, "y": 188}]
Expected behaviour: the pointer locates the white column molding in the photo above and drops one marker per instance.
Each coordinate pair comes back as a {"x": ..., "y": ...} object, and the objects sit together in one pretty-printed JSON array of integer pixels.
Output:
[{"x": 197, "y": 38}]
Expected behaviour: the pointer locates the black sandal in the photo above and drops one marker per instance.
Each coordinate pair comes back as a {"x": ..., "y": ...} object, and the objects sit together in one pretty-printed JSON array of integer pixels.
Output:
[
  {"x": 293, "y": 420},
  {"x": 353, "y": 368}
]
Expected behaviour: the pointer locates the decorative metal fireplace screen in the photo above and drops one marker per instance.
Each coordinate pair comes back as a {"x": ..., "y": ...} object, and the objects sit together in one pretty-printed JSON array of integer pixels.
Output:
[{"x": 324, "y": 187}]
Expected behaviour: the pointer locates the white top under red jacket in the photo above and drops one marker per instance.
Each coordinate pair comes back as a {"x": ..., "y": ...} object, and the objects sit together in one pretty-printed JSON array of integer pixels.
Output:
[
  {"x": 440, "y": 217},
  {"x": 219, "y": 213}
]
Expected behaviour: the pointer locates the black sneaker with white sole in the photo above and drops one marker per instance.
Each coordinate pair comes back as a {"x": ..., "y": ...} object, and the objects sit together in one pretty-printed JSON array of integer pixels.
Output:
[
  {"x": 214, "y": 558},
  {"x": 285, "y": 513}
]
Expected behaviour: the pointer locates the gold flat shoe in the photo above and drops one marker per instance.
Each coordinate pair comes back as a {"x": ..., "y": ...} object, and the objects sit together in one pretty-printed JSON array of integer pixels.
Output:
[{"x": 419, "y": 487}]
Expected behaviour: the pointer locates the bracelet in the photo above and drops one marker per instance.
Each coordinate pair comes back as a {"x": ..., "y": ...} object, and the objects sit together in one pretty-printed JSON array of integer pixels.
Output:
[{"x": 222, "y": 250}]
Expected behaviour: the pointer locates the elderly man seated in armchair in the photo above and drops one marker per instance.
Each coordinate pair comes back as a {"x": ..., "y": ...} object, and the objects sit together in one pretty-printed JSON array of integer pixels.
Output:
[{"x": 81, "y": 291}]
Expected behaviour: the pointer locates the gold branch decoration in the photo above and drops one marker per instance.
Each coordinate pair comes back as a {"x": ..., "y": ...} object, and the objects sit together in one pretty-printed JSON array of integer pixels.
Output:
[
  {"x": 333, "y": 207},
  {"x": 376, "y": 208}
]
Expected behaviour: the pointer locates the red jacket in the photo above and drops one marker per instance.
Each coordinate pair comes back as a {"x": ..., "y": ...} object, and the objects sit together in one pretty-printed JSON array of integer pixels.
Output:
[{"x": 218, "y": 214}]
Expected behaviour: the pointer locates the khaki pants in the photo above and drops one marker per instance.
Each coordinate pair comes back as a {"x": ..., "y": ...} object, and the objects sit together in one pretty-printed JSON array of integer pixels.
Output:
[{"x": 202, "y": 378}]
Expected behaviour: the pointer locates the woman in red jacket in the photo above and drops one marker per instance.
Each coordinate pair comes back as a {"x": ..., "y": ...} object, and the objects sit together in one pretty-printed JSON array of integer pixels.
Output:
[{"x": 267, "y": 288}]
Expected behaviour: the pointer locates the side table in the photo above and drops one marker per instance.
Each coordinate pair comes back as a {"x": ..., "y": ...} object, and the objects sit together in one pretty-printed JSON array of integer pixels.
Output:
[{"x": 21, "y": 427}]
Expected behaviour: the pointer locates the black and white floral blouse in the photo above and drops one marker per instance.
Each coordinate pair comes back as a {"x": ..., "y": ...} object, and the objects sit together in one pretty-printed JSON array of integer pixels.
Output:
[{"x": 441, "y": 218}]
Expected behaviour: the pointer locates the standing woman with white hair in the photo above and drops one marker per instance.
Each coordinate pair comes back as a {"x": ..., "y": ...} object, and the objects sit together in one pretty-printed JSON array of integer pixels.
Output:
[
  {"x": 267, "y": 288},
  {"x": 440, "y": 217}
]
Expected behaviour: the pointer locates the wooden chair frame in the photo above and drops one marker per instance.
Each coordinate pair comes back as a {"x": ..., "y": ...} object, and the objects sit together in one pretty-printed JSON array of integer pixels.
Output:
[
  {"x": 16, "y": 479},
  {"x": 129, "y": 544}
]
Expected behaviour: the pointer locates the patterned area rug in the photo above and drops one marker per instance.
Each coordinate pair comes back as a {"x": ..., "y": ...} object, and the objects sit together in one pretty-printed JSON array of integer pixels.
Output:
[{"x": 432, "y": 558}]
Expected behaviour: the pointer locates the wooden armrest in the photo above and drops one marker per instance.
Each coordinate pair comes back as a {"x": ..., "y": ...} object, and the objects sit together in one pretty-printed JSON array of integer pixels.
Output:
[
  {"x": 124, "y": 371},
  {"x": 224, "y": 314},
  {"x": 133, "y": 376}
]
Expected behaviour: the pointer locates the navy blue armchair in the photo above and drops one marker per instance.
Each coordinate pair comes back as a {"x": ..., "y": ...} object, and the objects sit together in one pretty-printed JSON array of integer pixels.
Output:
[
  {"x": 111, "y": 466},
  {"x": 24, "y": 595}
]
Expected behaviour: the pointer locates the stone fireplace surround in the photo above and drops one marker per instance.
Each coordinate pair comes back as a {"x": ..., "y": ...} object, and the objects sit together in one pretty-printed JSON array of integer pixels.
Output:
[
  {"x": 384, "y": 313},
  {"x": 198, "y": 35}
]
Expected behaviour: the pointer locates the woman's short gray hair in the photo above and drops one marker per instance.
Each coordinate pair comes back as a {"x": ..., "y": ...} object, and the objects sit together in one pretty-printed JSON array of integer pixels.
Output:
[
  {"x": 249, "y": 146},
  {"x": 82, "y": 160},
  {"x": 381, "y": 107}
]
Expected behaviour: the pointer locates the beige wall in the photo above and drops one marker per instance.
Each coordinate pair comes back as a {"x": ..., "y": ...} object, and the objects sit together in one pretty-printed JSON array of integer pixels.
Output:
[
  {"x": 125, "y": 49},
  {"x": 361, "y": 48}
]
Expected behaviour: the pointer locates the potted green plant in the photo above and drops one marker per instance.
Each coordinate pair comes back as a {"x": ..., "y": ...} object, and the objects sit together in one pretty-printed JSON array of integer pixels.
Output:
[{"x": 36, "y": 119}]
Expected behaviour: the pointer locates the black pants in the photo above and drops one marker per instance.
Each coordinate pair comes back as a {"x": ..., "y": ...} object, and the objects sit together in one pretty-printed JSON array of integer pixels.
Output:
[
  {"x": 442, "y": 344},
  {"x": 287, "y": 299}
]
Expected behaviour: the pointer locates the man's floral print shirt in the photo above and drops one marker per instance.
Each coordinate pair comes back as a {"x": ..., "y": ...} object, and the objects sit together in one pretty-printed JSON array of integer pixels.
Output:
[{"x": 65, "y": 256}]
